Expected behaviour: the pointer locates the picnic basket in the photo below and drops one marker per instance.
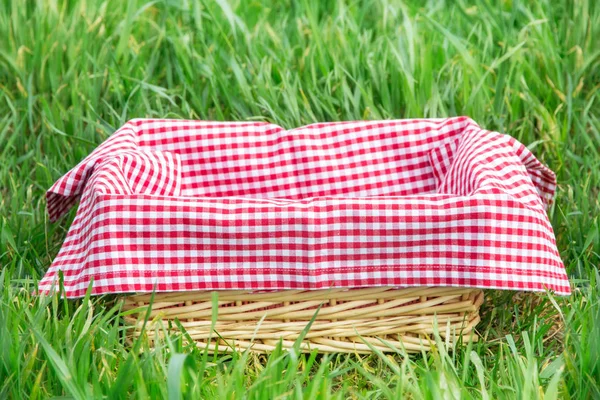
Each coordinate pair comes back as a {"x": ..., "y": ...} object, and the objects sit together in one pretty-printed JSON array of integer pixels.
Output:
[{"x": 376, "y": 233}]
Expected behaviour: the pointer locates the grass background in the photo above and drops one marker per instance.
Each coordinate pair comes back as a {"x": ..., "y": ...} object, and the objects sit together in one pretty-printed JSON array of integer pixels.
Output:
[{"x": 71, "y": 72}]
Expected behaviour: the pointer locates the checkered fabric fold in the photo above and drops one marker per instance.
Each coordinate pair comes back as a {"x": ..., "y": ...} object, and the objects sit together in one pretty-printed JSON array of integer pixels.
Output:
[{"x": 172, "y": 205}]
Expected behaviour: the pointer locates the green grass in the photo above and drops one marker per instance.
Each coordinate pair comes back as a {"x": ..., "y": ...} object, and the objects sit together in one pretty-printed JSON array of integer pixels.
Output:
[{"x": 71, "y": 72}]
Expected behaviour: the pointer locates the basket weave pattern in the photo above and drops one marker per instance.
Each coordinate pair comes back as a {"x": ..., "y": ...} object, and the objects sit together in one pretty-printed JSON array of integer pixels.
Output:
[{"x": 345, "y": 321}]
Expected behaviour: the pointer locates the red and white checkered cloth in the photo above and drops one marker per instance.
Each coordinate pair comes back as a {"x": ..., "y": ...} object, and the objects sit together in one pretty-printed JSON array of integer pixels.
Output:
[{"x": 178, "y": 205}]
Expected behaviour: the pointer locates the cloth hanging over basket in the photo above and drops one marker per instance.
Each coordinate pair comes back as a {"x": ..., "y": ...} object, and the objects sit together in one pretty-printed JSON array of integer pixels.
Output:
[{"x": 175, "y": 205}]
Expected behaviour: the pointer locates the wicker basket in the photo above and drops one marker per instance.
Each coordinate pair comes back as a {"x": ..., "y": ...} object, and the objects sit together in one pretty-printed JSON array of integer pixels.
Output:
[{"x": 346, "y": 321}]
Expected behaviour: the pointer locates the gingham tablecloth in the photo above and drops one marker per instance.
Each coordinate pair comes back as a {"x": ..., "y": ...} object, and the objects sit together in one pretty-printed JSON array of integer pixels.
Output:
[{"x": 176, "y": 205}]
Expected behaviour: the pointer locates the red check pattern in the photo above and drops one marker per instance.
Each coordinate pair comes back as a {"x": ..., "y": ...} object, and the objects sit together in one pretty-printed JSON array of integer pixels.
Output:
[{"x": 188, "y": 205}]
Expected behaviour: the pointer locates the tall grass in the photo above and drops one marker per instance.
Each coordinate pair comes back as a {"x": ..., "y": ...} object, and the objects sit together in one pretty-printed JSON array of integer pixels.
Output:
[{"x": 71, "y": 72}]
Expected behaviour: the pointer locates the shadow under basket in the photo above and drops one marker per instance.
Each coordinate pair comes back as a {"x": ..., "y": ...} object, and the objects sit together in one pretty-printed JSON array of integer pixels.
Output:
[{"x": 346, "y": 321}]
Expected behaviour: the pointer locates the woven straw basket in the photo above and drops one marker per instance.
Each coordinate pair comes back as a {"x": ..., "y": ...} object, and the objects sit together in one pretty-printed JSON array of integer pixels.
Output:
[
  {"x": 346, "y": 319},
  {"x": 281, "y": 223}
]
